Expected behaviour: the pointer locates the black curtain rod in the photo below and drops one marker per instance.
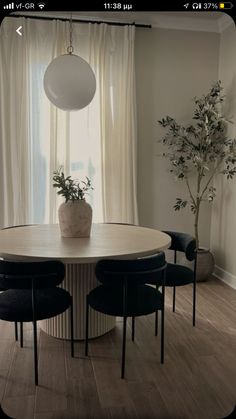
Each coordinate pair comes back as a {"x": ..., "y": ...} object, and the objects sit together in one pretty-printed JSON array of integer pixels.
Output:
[{"x": 139, "y": 25}]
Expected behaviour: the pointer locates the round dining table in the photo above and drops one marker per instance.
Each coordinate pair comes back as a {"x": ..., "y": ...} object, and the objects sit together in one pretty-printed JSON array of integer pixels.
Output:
[{"x": 80, "y": 255}]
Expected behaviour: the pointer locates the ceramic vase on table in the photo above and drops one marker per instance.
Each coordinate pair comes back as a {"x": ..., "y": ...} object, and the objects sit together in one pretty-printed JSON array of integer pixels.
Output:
[{"x": 75, "y": 218}]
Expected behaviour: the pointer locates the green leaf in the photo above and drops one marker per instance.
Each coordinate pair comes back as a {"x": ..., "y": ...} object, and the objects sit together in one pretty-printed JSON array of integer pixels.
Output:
[{"x": 70, "y": 188}]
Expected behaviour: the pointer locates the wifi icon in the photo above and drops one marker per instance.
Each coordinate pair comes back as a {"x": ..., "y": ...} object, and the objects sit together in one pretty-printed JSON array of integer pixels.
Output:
[{"x": 41, "y": 5}]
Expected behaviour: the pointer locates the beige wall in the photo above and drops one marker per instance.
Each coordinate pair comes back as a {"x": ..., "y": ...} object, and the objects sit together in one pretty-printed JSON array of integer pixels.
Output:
[
  {"x": 172, "y": 66},
  {"x": 223, "y": 227}
]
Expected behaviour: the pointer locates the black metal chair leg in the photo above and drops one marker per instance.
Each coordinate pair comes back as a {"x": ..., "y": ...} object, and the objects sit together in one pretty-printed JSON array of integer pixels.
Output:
[
  {"x": 123, "y": 347},
  {"x": 163, "y": 318},
  {"x": 72, "y": 328},
  {"x": 174, "y": 299},
  {"x": 21, "y": 334},
  {"x": 156, "y": 323},
  {"x": 35, "y": 334},
  {"x": 156, "y": 318},
  {"x": 35, "y": 352},
  {"x": 86, "y": 327},
  {"x": 16, "y": 332},
  {"x": 162, "y": 335},
  {"x": 133, "y": 327},
  {"x": 194, "y": 303}
]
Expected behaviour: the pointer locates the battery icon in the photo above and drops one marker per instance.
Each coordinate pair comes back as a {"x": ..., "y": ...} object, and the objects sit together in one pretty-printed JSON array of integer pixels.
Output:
[{"x": 226, "y": 5}]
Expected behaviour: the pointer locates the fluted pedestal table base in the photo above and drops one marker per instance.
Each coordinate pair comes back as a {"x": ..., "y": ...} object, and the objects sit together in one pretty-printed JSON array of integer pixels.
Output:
[{"x": 79, "y": 280}]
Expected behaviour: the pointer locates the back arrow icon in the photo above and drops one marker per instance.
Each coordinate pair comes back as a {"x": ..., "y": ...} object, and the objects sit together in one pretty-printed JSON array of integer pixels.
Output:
[{"x": 18, "y": 30}]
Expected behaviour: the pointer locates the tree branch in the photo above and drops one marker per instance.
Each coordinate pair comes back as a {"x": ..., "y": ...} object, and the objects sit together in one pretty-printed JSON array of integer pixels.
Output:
[
  {"x": 210, "y": 179},
  {"x": 190, "y": 193}
]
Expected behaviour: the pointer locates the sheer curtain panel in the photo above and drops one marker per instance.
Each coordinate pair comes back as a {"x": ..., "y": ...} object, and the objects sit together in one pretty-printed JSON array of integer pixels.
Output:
[{"x": 36, "y": 138}]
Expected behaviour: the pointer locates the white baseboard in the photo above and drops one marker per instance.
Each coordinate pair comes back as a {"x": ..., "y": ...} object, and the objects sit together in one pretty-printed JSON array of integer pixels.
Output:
[{"x": 225, "y": 276}]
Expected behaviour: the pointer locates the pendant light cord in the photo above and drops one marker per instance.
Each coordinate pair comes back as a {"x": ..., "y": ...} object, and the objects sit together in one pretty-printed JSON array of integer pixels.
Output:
[{"x": 70, "y": 48}]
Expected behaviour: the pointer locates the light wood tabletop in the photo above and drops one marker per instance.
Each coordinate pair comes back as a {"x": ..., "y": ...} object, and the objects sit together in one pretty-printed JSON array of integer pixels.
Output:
[{"x": 35, "y": 242}]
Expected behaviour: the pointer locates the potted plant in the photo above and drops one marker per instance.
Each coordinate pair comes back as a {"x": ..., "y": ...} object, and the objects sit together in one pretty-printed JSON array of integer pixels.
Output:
[
  {"x": 197, "y": 153},
  {"x": 75, "y": 214}
]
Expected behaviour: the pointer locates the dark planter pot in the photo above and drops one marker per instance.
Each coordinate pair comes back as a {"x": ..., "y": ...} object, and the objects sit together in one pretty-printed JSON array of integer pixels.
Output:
[{"x": 205, "y": 264}]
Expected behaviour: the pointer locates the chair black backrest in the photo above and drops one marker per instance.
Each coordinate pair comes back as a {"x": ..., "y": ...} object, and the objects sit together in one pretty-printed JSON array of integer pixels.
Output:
[
  {"x": 2, "y": 288},
  {"x": 110, "y": 272},
  {"x": 16, "y": 226},
  {"x": 18, "y": 275},
  {"x": 122, "y": 224},
  {"x": 183, "y": 242}
]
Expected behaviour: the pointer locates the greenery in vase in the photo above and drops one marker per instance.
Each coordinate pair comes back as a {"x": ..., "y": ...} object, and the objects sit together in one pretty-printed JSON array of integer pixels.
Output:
[
  {"x": 71, "y": 189},
  {"x": 202, "y": 150}
]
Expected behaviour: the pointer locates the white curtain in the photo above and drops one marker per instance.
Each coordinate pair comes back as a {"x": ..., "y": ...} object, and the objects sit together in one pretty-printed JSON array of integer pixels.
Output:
[{"x": 36, "y": 138}]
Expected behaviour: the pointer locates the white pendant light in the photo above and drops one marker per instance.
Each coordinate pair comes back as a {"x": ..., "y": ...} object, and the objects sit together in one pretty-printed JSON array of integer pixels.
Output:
[{"x": 69, "y": 81}]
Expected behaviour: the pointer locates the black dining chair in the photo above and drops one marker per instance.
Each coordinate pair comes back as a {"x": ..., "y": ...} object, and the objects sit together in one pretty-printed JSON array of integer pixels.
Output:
[
  {"x": 176, "y": 274},
  {"x": 123, "y": 292},
  {"x": 1, "y": 289},
  {"x": 32, "y": 294}
]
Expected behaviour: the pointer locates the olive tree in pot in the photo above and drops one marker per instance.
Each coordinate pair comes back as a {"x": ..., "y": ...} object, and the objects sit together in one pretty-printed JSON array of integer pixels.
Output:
[
  {"x": 75, "y": 214},
  {"x": 197, "y": 153}
]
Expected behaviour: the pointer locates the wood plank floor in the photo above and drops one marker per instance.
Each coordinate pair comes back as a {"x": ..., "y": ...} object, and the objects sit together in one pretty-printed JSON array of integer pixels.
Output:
[{"x": 197, "y": 381}]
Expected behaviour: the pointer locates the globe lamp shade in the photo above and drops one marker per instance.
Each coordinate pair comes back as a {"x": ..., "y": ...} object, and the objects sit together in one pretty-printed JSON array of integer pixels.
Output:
[{"x": 69, "y": 82}]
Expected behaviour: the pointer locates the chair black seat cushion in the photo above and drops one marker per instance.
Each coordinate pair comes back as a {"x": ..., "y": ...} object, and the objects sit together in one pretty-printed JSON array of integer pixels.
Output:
[
  {"x": 16, "y": 305},
  {"x": 177, "y": 275},
  {"x": 141, "y": 300}
]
